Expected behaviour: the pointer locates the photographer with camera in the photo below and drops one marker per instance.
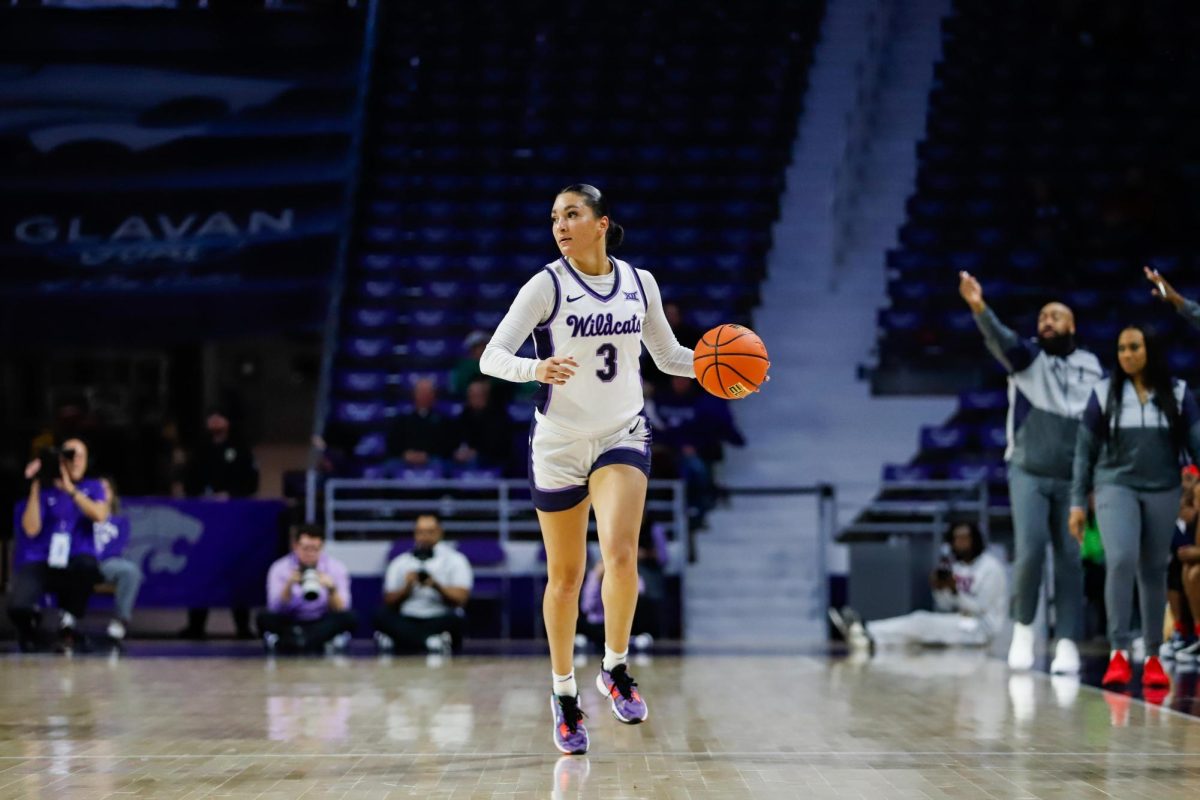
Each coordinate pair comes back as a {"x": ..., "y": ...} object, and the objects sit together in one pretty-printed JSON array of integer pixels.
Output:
[
  {"x": 425, "y": 591},
  {"x": 970, "y": 595},
  {"x": 59, "y": 550},
  {"x": 308, "y": 597}
]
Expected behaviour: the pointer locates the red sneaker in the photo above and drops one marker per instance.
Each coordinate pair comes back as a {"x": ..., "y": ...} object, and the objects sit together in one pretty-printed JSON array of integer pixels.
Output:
[
  {"x": 1153, "y": 675},
  {"x": 1119, "y": 672}
]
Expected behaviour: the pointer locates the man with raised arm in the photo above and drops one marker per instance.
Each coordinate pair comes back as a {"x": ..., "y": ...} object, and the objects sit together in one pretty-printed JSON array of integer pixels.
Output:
[{"x": 1049, "y": 380}]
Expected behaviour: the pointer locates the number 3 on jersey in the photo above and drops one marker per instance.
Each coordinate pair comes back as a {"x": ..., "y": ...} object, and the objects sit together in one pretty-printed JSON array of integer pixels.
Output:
[{"x": 609, "y": 353}]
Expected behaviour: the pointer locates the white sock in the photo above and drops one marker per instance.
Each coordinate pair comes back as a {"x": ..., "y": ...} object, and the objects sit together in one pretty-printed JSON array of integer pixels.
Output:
[
  {"x": 612, "y": 658},
  {"x": 565, "y": 684}
]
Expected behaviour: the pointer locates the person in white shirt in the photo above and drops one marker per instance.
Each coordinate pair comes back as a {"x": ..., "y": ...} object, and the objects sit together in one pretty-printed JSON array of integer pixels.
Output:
[
  {"x": 424, "y": 592},
  {"x": 589, "y": 315},
  {"x": 970, "y": 597}
]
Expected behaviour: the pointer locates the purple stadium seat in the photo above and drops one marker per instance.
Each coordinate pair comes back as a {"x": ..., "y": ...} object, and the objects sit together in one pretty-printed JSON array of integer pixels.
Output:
[
  {"x": 950, "y": 437},
  {"x": 907, "y": 472}
]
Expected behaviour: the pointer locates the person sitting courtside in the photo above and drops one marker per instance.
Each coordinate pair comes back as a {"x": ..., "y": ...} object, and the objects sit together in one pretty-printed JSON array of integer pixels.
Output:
[{"x": 425, "y": 591}]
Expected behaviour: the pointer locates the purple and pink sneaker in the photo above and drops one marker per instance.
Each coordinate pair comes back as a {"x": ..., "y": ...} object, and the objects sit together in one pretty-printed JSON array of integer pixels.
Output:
[
  {"x": 569, "y": 734},
  {"x": 619, "y": 687}
]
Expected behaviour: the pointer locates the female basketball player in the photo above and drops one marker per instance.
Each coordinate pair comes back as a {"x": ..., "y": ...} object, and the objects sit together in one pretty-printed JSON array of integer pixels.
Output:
[
  {"x": 589, "y": 444},
  {"x": 1138, "y": 424}
]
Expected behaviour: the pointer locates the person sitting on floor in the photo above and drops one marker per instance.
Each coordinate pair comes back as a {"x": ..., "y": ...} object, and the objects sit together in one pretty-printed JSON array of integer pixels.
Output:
[
  {"x": 425, "y": 591},
  {"x": 308, "y": 598},
  {"x": 970, "y": 593}
]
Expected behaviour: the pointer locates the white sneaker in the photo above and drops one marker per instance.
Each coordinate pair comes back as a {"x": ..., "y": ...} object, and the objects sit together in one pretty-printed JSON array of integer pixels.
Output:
[
  {"x": 1137, "y": 652},
  {"x": 642, "y": 642},
  {"x": 67, "y": 620},
  {"x": 1066, "y": 658},
  {"x": 438, "y": 643},
  {"x": 116, "y": 630},
  {"x": 1020, "y": 652},
  {"x": 384, "y": 642}
]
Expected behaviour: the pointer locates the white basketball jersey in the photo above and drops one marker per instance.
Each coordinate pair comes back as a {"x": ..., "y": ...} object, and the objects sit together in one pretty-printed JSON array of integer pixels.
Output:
[{"x": 603, "y": 333}]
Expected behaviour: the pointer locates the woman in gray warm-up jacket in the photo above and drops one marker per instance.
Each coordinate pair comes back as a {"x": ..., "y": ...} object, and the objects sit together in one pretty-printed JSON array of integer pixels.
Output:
[{"x": 1138, "y": 426}]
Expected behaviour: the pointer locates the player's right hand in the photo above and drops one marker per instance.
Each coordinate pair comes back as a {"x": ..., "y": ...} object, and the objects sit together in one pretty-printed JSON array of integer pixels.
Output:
[
  {"x": 1076, "y": 523},
  {"x": 555, "y": 370},
  {"x": 971, "y": 291}
]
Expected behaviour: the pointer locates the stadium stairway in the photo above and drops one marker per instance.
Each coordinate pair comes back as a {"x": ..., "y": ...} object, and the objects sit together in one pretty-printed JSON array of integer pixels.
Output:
[{"x": 816, "y": 421}]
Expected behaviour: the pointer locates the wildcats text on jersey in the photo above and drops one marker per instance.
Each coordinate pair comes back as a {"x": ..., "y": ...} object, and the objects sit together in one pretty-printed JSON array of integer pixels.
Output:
[{"x": 602, "y": 325}]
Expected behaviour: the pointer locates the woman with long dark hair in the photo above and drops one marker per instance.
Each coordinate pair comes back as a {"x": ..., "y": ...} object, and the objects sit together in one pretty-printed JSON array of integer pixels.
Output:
[
  {"x": 1139, "y": 424},
  {"x": 589, "y": 445}
]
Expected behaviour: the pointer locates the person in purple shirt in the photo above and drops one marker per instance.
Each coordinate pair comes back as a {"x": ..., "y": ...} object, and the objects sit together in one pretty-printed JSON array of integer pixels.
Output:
[
  {"x": 308, "y": 598},
  {"x": 58, "y": 550}
]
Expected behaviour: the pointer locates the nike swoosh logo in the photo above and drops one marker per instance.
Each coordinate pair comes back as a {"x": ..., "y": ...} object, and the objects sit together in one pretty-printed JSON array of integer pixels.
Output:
[
  {"x": 573, "y": 299},
  {"x": 635, "y": 424}
]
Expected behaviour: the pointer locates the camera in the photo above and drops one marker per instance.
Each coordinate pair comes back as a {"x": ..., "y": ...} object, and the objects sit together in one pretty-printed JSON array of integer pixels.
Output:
[
  {"x": 422, "y": 577},
  {"x": 52, "y": 459},
  {"x": 310, "y": 584}
]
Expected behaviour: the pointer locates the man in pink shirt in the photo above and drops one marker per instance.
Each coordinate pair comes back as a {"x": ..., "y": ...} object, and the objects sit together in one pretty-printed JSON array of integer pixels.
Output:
[{"x": 308, "y": 598}]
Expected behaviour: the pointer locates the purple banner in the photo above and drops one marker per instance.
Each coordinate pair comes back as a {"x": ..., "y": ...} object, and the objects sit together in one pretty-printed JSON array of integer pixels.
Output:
[{"x": 204, "y": 552}]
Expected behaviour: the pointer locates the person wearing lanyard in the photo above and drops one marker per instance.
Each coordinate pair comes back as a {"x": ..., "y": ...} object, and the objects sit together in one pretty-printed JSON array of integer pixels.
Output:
[
  {"x": 57, "y": 520},
  {"x": 1049, "y": 382}
]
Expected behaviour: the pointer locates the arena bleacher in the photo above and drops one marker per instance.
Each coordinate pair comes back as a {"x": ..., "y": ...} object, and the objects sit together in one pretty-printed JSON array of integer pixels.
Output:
[{"x": 1048, "y": 170}]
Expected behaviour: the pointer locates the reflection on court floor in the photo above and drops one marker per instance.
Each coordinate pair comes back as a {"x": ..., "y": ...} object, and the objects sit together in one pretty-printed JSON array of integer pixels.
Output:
[{"x": 908, "y": 725}]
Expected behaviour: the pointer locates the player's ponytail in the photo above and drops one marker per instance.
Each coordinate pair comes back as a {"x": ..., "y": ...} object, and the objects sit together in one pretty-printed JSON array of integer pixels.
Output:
[
  {"x": 614, "y": 236},
  {"x": 598, "y": 203}
]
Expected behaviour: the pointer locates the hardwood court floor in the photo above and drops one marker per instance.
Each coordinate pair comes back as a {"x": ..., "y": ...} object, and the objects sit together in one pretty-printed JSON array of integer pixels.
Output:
[{"x": 722, "y": 726}]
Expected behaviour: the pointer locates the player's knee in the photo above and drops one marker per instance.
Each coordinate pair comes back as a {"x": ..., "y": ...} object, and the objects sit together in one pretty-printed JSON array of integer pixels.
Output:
[
  {"x": 564, "y": 584},
  {"x": 621, "y": 561}
]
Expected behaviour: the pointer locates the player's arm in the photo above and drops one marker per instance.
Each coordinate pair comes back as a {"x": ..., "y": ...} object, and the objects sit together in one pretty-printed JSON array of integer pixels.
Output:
[
  {"x": 533, "y": 306},
  {"x": 669, "y": 355},
  {"x": 1013, "y": 352}
]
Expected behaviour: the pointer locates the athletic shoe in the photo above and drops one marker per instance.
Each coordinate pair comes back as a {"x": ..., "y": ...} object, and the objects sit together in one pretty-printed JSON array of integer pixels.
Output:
[
  {"x": 849, "y": 623},
  {"x": 270, "y": 642},
  {"x": 1119, "y": 673},
  {"x": 338, "y": 644},
  {"x": 1066, "y": 658},
  {"x": 384, "y": 643},
  {"x": 1153, "y": 675},
  {"x": 570, "y": 736},
  {"x": 1173, "y": 645},
  {"x": 1187, "y": 656},
  {"x": 1020, "y": 652},
  {"x": 619, "y": 687},
  {"x": 116, "y": 630}
]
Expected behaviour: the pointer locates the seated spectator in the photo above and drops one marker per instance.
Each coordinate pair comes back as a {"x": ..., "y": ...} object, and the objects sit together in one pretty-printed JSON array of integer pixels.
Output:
[
  {"x": 58, "y": 549},
  {"x": 420, "y": 437},
  {"x": 220, "y": 468},
  {"x": 308, "y": 598},
  {"x": 222, "y": 465},
  {"x": 425, "y": 591},
  {"x": 480, "y": 435},
  {"x": 112, "y": 535},
  {"x": 970, "y": 593}
]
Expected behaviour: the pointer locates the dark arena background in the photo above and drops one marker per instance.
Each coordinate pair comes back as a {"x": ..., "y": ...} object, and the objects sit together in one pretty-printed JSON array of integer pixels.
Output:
[{"x": 270, "y": 530}]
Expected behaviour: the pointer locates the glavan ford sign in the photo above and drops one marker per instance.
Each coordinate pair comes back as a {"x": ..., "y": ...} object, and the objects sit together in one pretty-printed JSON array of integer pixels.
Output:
[{"x": 182, "y": 238}]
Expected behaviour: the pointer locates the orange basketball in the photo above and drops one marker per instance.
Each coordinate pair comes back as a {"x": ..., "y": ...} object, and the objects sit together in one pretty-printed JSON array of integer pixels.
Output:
[{"x": 731, "y": 361}]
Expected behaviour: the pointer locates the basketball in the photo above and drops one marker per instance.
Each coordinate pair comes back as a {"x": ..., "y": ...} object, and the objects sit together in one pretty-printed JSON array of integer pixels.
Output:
[{"x": 731, "y": 361}]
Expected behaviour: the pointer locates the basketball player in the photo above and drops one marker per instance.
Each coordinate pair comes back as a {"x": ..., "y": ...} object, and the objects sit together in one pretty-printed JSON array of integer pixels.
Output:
[
  {"x": 589, "y": 444},
  {"x": 1049, "y": 381}
]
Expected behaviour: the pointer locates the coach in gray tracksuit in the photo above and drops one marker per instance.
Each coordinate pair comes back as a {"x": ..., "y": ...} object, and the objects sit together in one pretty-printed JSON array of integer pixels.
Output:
[
  {"x": 1137, "y": 425},
  {"x": 1049, "y": 380}
]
